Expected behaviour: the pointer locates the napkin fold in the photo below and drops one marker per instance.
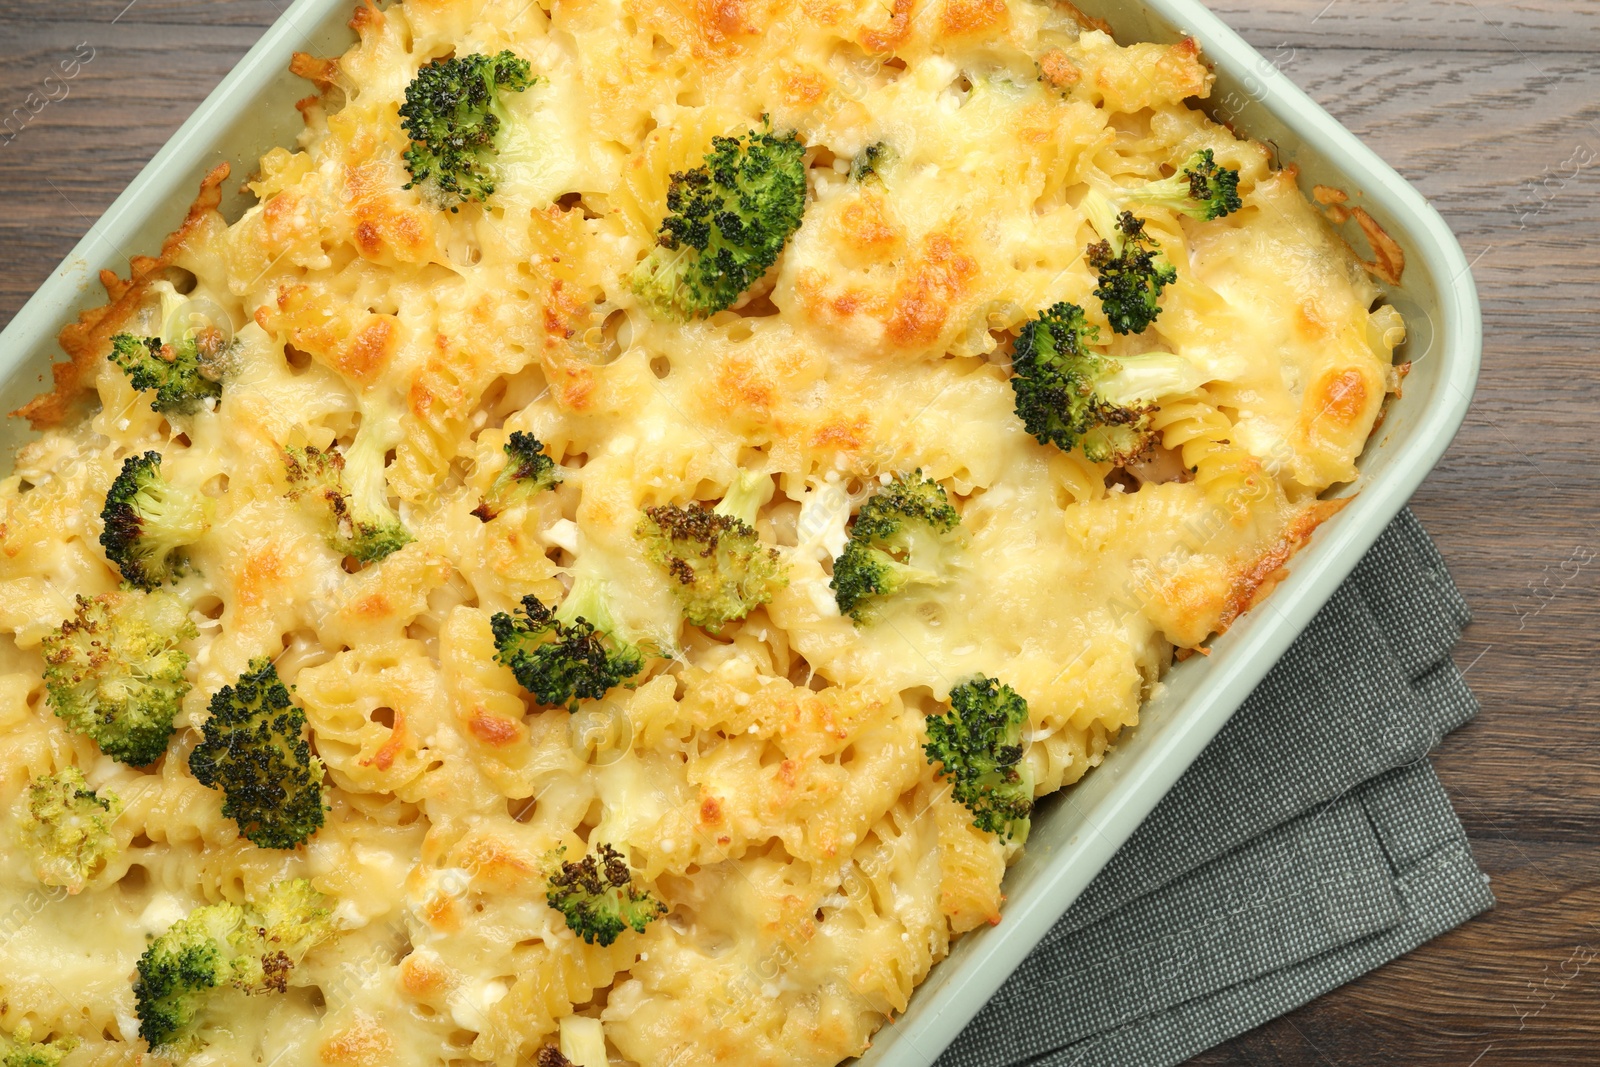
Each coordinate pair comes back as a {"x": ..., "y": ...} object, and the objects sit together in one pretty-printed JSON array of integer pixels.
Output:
[{"x": 1310, "y": 843}]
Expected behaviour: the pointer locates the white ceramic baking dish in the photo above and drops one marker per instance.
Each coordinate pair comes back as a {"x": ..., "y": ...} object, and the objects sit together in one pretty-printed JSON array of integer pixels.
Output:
[{"x": 1076, "y": 832}]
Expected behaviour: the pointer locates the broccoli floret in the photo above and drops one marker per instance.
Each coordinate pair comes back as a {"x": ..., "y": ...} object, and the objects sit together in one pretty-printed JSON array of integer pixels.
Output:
[
  {"x": 1132, "y": 275},
  {"x": 280, "y": 928},
  {"x": 194, "y": 955},
  {"x": 597, "y": 897},
  {"x": 979, "y": 747},
  {"x": 1132, "y": 271},
  {"x": 1201, "y": 189},
  {"x": 255, "y": 751},
  {"x": 550, "y": 1056},
  {"x": 869, "y": 162},
  {"x": 351, "y": 486},
  {"x": 721, "y": 569},
  {"x": 69, "y": 828},
  {"x": 148, "y": 519},
  {"x": 900, "y": 538},
  {"x": 20, "y": 1050},
  {"x": 253, "y": 947},
  {"x": 183, "y": 373},
  {"x": 114, "y": 671},
  {"x": 184, "y": 368},
  {"x": 527, "y": 471},
  {"x": 455, "y": 114},
  {"x": 729, "y": 220},
  {"x": 1068, "y": 394},
  {"x": 578, "y": 652}
]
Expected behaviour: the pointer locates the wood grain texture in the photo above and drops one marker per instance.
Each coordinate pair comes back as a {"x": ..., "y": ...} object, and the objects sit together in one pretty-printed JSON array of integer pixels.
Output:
[
  {"x": 1493, "y": 110},
  {"x": 1492, "y": 107},
  {"x": 1538, "y": 26}
]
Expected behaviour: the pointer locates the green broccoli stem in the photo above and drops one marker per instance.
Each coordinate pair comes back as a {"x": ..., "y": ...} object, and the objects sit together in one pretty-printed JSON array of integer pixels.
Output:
[
  {"x": 897, "y": 575},
  {"x": 919, "y": 544},
  {"x": 1171, "y": 193},
  {"x": 514, "y": 143},
  {"x": 1145, "y": 378},
  {"x": 1102, "y": 215},
  {"x": 1173, "y": 190},
  {"x": 364, "y": 464},
  {"x": 364, "y": 526},
  {"x": 590, "y": 600},
  {"x": 1200, "y": 189},
  {"x": 745, "y": 496},
  {"x": 660, "y": 278},
  {"x": 171, "y": 301},
  {"x": 1105, "y": 215}
]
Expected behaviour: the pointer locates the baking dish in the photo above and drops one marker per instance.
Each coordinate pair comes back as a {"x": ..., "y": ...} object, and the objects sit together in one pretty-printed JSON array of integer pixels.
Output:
[{"x": 1076, "y": 832}]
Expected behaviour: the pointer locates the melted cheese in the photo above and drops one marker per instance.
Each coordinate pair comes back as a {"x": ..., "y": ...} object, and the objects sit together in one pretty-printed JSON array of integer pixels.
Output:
[{"x": 768, "y": 785}]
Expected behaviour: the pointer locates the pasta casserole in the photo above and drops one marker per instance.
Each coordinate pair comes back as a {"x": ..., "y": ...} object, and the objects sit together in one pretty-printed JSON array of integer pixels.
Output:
[{"x": 599, "y": 562}]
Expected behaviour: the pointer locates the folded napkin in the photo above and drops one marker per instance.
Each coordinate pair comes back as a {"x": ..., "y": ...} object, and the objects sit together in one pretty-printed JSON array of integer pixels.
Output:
[{"x": 1308, "y": 844}]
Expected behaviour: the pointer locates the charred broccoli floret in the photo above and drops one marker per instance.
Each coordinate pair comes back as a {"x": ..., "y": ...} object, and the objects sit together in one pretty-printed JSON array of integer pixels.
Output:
[
  {"x": 597, "y": 897},
  {"x": 148, "y": 520},
  {"x": 979, "y": 747},
  {"x": 461, "y": 132},
  {"x": 527, "y": 471},
  {"x": 184, "y": 367},
  {"x": 729, "y": 220},
  {"x": 1132, "y": 271},
  {"x": 253, "y": 947},
  {"x": 114, "y": 671},
  {"x": 1132, "y": 276},
  {"x": 183, "y": 374},
  {"x": 900, "y": 538},
  {"x": 351, "y": 487},
  {"x": 255, "y": 751},
  {"x": 69, "y": 828},
  {"x": 1068, "y": 394},
  {"x": 20, "y": 1050},
  {"x": 578, "y": 652},
  {"x": 721, "y": 569},
  {"x": 1201, "y": 189}
]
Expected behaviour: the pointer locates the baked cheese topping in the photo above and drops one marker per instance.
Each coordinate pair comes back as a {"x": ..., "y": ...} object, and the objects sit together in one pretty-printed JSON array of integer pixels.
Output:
[{"x": 767, "y": 784}]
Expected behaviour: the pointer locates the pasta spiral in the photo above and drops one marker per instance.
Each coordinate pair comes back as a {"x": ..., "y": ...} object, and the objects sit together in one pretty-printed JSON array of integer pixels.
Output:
[{"x": 1231, "y": 478}]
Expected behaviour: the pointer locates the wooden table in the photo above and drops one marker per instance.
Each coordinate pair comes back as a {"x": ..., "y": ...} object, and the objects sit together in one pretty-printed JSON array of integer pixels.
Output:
[{"x": 1493, "y": 109}]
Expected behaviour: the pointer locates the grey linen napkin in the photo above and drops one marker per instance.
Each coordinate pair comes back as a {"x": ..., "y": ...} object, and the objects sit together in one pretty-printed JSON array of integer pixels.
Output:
[{"x": 1309, "y": 844}]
